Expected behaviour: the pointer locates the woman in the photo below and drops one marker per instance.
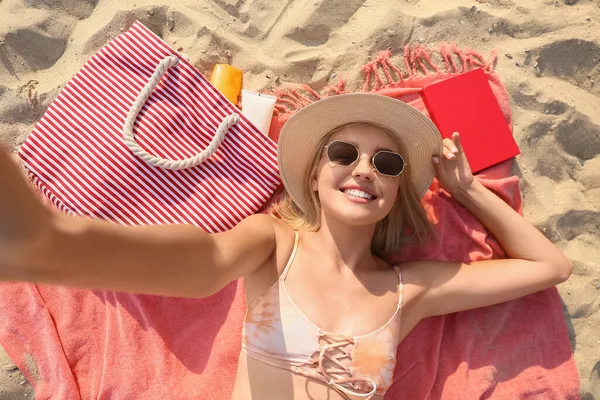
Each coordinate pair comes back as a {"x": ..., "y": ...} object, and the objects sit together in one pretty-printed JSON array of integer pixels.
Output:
[{"x": 325, "y": 310}]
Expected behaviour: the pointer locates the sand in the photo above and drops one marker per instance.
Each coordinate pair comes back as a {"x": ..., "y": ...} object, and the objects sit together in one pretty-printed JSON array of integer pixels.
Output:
[{"x": 549, "y": 60}]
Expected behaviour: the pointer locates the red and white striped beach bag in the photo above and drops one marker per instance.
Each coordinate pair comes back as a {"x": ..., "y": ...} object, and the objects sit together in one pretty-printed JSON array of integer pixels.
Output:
[{"x": 139, "y": 136}]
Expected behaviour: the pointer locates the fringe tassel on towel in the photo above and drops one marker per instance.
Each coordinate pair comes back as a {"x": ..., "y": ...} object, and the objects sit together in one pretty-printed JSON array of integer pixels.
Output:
[{"x": 381, "y": 73}]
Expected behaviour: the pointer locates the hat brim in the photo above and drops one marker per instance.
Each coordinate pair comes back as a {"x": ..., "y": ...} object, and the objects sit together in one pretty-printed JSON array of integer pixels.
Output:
[{"x": 302, "y": 133}]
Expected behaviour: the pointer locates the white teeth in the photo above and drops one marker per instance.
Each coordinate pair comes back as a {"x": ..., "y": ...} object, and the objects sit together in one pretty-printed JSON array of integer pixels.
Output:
[{"x": 358, "y": 193}]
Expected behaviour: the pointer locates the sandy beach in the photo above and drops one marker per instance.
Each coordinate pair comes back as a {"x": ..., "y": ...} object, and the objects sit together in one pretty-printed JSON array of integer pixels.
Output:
[{"x": 548, "y": 59}]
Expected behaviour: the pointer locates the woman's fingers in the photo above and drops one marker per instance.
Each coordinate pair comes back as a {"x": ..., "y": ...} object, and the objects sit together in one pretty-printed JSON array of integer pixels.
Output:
[
  {"x": 452, "y": 147},
  {"x": 456, "y": 142},
  {"x": 449, "y": 154},
  {"x": 447, "y": 150}
]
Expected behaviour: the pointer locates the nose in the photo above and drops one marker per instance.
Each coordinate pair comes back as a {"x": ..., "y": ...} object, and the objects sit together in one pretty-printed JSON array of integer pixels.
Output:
[{"x": 363, "y": 168}]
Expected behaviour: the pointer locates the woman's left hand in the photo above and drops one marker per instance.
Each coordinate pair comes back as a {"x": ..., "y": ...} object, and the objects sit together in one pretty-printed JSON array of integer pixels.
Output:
[{"x": 452, "y": 168}]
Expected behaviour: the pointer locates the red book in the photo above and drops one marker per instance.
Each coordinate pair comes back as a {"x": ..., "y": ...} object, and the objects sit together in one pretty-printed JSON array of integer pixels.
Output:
[{"x": 467, "y": 105}]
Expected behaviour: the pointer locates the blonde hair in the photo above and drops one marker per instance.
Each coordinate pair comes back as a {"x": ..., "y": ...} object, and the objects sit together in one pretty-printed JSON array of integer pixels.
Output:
[{"x": 407, "y": 214}]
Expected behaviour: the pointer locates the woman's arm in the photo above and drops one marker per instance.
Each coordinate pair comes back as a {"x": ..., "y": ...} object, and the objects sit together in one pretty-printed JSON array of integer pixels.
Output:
[
  {"x": 177, "y": 260},
  {"x": 534, "y": 264}
]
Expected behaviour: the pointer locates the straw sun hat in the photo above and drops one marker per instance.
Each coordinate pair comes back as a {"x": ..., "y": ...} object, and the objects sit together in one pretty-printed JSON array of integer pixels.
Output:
[{"x": 304, "y": 130}]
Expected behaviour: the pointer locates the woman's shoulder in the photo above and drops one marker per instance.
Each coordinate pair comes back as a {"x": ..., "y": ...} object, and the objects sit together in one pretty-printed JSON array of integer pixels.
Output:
[
  {"x": 261, "y": 279},
  {"x": 284, "y": 242},
  {"x": 282, "y": 233},
  {"x": 269, "y": 222}
]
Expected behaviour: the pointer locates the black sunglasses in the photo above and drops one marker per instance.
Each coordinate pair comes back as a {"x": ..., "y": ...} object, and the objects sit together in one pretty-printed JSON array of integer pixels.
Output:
[{"x": 385, "y": 162}]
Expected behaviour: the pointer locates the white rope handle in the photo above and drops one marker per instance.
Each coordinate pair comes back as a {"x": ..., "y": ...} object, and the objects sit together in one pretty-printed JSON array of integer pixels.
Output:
[{"x": 166, "y": 163}]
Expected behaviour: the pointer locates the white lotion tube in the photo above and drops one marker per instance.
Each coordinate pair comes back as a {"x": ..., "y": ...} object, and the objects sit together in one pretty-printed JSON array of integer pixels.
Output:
[{"x": 258, "y": 108}]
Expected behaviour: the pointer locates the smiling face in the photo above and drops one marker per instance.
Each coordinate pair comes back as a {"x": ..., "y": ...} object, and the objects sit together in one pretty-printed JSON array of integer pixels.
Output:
[{"x": 357, "y": 194}]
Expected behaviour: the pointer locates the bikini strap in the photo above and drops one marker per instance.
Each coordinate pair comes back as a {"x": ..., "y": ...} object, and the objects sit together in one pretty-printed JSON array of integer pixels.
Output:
[
  {"x": 400, "y": 285},
  {"x": 289, "y": 263}
]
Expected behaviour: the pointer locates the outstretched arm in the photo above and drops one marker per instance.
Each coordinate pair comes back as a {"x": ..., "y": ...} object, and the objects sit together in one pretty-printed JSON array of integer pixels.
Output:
[
  {"x": 42, "y": 246},
  {"x": 534, "y": 262}
]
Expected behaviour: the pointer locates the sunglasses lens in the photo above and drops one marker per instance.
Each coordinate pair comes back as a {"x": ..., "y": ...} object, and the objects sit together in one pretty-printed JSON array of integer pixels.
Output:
[
  {"x": 388, "y": 163},
  {"x": 342, "y": 153}
]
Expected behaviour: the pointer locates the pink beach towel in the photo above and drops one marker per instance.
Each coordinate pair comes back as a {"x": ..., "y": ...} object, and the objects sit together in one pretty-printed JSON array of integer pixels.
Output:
[{"x": 107, "y": 345}]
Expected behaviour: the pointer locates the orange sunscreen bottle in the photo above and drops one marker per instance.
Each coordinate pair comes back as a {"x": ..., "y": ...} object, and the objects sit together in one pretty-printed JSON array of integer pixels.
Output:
[{"x": 228, "y": 81}]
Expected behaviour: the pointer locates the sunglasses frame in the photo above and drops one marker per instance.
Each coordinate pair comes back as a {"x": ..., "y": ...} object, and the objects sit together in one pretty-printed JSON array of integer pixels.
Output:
[{"x": 404, "y": 163}]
